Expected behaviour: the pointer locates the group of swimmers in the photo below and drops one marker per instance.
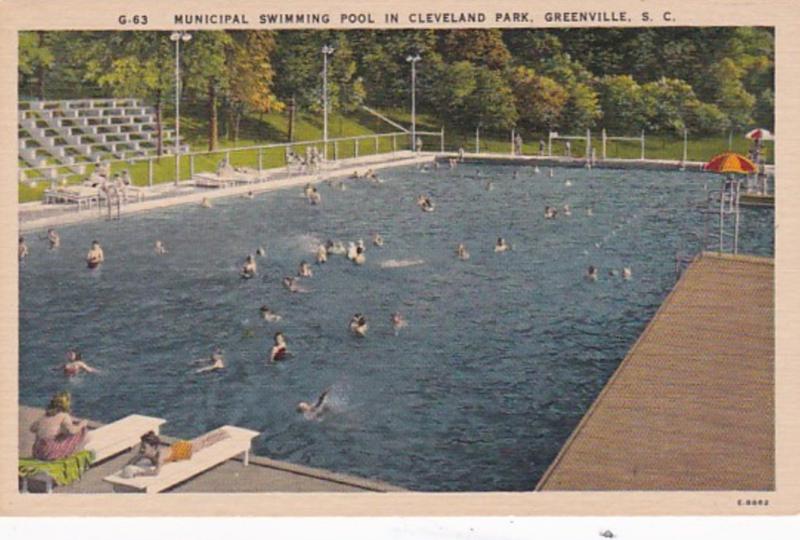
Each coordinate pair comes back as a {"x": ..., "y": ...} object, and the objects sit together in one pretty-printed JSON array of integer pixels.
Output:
[{"x": 592, "y": 273}]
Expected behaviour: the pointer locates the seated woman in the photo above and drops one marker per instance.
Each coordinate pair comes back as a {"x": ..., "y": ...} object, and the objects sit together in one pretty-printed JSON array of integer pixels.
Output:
[
  {"x": 151, "y": 456},
  {"x": 58, "y": 435},
  {"x": 279, "y": 351},
  {"x": 95, "y": 257},
  {"x": 75, "y": 364}
]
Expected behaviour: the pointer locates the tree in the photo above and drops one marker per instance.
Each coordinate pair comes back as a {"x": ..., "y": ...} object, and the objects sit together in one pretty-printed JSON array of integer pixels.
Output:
[
  {"x": 491, "y": 104},
  {"x": 582, "y": 110},
  {"x": 35, "y": 59},
  {"x": 667, "y": 103},
  {"x": 731, "y": 96},
  {"x": 539, "y": 100},
  {"x": 621, "y": 102},
  {"x": 480, "y": 47}
]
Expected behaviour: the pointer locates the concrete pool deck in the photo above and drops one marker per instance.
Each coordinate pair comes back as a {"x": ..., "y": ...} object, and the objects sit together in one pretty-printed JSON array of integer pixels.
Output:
[
  {"x": 262, "y": 475},
  {"x": 691, "y": 407},
  {"x": 37, "y": 215}
]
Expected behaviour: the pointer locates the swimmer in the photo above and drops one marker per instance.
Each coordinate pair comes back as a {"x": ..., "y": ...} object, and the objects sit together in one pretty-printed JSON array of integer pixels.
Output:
[
  {"x": 249, "y": 195},
  {"x": 160, "y": 249},
  {"x": 205, "y": 203},
  {"x": 427, "y": 205},
  {"x": 358, "y": 325},
  {"x": 360, "y": 258},
  {"x": 591, "y": 273},
  {"x": 421, "y": 200},
  {"x": 613, "y": 273},
  {"x": 308, "y": 189},
  {"x": 568, "y": 183},
  {"x": 515, "y": 174},
  {"x": 304, "y": 270},
  {"x": 217, "y": 362},
  {"x": 567, "y": 210},
  {"x": 550, "y": 174},
  {"x": 53, "y": 238},
  {"x": 335, "y": 248},
  {"x": 268, "y": 315},
  {"x": 75, "y": 364},
  {"x": 22, "y": 249},
  {"x": 312, "y": 412},
  {"x": 489, "y": 186},
  {"x": 398, "y": 322},
  {"x": 315, "y": 198},
  {"x": 322, "y": 254},
  {"x": 536, "y": 170},
  {"x": 355, "y": 175},
  {"x": 249, "y": 268},
  {"x": 360, "y": 244},
  {"x": 626, "y": 273},
  {"x": 279, "y": 351},
  {"x": 261, "y": 252},
  {"x": 351, "y": 251},
  {"x": 95, "y": 257},
  {"x": 550, "y": 212},
  {"x": 501, "y": 245},
  {"x": 462, "y": 253},
  {"x": 589, "y": 212},
  {"x": 377, "y": 240}
]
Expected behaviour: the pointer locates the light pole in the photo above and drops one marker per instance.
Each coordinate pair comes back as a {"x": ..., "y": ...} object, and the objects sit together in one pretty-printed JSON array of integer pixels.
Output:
[
  {"x": 326, "y": 50},
  {"x": 413, "y": 59},
  {"x": 177, "y": 37}
]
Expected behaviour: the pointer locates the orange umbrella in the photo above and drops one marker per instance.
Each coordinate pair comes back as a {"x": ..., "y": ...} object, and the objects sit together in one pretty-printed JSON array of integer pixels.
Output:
[{"x": 730, "y": 162}]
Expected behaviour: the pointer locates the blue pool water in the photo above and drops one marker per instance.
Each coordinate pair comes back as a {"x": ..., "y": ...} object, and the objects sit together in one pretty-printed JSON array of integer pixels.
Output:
[{"x": 502, "y": 356}]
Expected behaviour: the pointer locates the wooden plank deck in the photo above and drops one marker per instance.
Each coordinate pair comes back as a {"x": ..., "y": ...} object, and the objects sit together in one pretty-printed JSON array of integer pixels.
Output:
[{"x": 691, "y": 407}]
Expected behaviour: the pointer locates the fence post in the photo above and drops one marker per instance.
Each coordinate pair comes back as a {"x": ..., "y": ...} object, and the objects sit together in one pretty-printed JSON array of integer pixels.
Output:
[
  {"x": 478, "y": 139},
  {"x": 260, "y": 159},
  {"x": 191, "y": 166},
  {"x": 685, "y": 146},
  {"x": 588, "y": 144},
  {"x": 642, "y": 145},
  {"x": 228, "y": 157},
  {"x": 512, "y": 140},
  {"x": 441, "y": 141},
  {"x": 150, "y": 172},
  {"x": 335, "y": 150},
  {"x": 394, "y": 144},
  {"x": 549, "y": 144},
  {"x": 604, "y": 144},
  {"x": 377, "y": 146},
  {"x": 356, "y": 148}
]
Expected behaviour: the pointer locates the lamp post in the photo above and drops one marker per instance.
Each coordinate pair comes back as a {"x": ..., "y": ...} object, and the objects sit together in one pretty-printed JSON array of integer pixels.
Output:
[
  {"x": 326, "y": 50},
  {"x": 413, "y": 59},
  {"x": 178, "y": 37}
]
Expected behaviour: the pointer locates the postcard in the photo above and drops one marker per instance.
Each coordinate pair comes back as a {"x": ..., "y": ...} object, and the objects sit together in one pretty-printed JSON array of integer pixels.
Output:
[{"x": 417, "y": 259}]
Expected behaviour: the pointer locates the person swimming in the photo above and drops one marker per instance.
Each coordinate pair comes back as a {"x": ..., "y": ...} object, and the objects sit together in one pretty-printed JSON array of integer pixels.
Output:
[
  {"x": 279, "y": 349},
  {"x": 358, "y": 325},
  {"x": 53, "y": 238},
  {"x": 377, "y": 240},
  {"x": 308, "y": 189},
  {"x": 567, "y": 182},
  {"x": 398, "y": 322},
  {"x": 313, "y": 412},
  {"x": 567, "y": 210},
  {"x": 489, "y": 185},
  {"x": 75, "y": 365},
  {"x": 291, "y": 284},
  {"x": 627, "y": 273},
  {"x": 536, "y": 170},
  {"x": 501, "y": 245},
  {"x": 249, "y": 268},
  {"x": 314, "y": 197},
  {"x": 427, "y": 205},
  {"x": 335, "y": 248},
  {"x": 591, "y": 273},
  {"x": 462, "y": 253},
  {"x": 360, "y": 258},
  {"x": 261, "y": 252},
  {"x": 550, "y": 174},
  {"x": 589, "y": 211},
  {"x": 22, "y": 249},
  {"x": 550, "y": 212},
  {"x": 304, "y": 270},
  {"x": 351, "y": 251},
  {"x": 205, "y": 203},
  {"x": 249, "y": 195},
  {"x": 217, "y": 362},
  {"x": 268, "y": 315},
  {"x": 322, "y": 254},
  {"x": 95, "y": 257},
  {"x": 160, "y": 249}
]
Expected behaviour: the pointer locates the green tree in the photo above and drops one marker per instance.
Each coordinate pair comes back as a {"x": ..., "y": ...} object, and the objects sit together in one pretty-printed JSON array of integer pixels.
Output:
[
  {"x": 667, "y": 103},
  {"x": 621, "y": 102},
  {"x": 481, "y": 47},
  {"x": 491, "y": 104},
  {"x": 583, "y": 109},
  {"x": 539, "y": 100},
  {"x": 35, "y": 59}
]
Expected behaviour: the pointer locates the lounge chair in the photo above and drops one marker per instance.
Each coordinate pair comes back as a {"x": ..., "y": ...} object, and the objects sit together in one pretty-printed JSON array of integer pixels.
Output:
[
  {"x": 176, "y": 472},
  {"x": 107, "y": 441}
]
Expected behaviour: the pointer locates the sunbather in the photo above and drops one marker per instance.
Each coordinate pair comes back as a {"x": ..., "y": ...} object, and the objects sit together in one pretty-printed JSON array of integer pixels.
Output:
[{"x": 58, "y": 435}]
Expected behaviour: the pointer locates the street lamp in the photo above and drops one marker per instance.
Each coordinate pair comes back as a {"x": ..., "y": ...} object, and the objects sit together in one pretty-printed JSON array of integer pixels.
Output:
[
  {"x": 177, "y": 37},
  {"x": 413, "y": 59},
  {"x": 326, "y": 50}
]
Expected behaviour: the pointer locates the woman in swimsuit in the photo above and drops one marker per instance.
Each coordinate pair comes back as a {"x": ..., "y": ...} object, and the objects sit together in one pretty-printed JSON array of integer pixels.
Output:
[
  {"x": 153, "y": 456},
  {"x": 58, "y": 435},
  {"x": 75, "y": 364},
  {"x": 249, "y": 268},
  {"x": 279, "y": 350}
]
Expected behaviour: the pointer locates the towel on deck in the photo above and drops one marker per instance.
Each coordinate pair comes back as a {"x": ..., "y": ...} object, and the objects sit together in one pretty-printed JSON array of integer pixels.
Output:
[{"x": 63, "y": 471}]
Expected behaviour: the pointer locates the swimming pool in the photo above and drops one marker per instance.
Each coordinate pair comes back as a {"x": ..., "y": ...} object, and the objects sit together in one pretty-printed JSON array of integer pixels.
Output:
[{"x": 503, "y": 352}]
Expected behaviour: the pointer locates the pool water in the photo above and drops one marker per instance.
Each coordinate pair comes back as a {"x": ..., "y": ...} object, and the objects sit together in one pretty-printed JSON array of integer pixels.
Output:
[{"x": 502, "y": 355}]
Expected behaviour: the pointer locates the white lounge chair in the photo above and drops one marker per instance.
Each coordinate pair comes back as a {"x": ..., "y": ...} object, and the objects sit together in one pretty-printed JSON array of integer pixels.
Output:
[
  {"x": 109, "y": 440},
  {"x": 174, "y": 473}
]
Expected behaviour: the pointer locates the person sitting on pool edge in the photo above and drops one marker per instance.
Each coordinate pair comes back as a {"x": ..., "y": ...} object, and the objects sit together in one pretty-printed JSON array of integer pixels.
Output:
[
  {"x": 279, "y": 350},
  {"x": 95, "y": 257},
  {"x": 58, "y": 435},
  {"x": 154, "y": 456}
]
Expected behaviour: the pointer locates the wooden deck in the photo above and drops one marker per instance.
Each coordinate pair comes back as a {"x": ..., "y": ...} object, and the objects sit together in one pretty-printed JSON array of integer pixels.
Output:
[{"x": 691, "y": 407}]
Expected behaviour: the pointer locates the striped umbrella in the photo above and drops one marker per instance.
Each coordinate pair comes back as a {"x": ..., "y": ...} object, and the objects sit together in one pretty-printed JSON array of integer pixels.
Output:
[
  {"x": 730, "y": 162},
  {"x": 760, "y": 134}
]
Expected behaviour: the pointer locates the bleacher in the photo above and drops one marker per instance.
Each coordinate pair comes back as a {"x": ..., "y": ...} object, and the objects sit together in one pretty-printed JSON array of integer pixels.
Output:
[{"x": 69, "y": 134}]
